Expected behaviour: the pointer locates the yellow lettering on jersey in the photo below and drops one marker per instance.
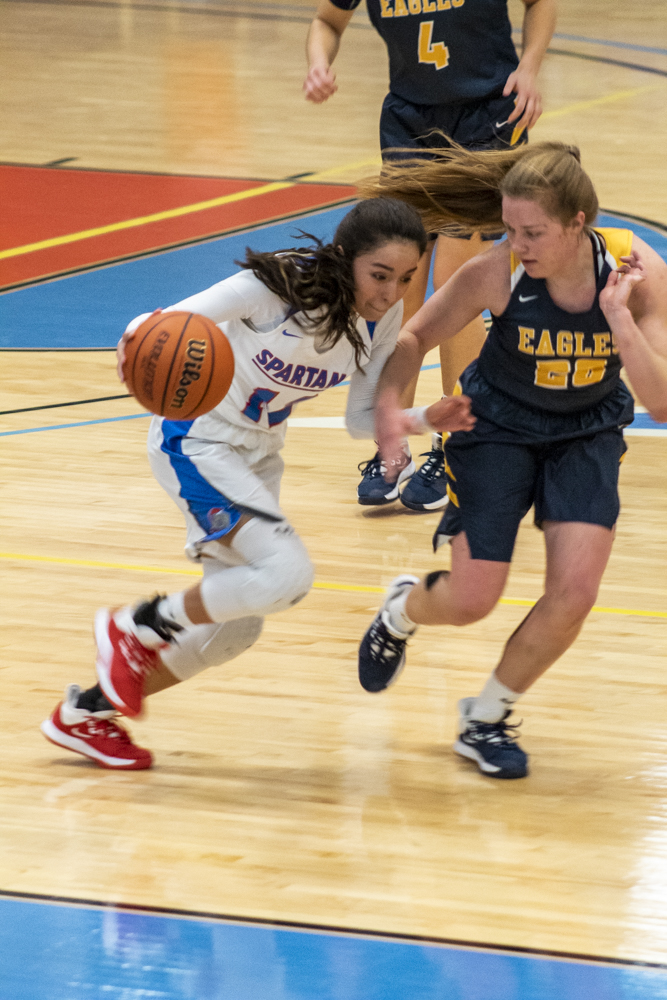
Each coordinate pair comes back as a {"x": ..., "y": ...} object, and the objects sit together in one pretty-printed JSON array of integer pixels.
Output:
[
  {"x": 564, "y": 344},
  {"x": 601, "y": 341},
  {"x": 400, "y": 10},
  {"x": 588, "y": 372},
  {"x": 386, "y": 9},
  {"x": 545, "y": 347},
  {"x": 614, "y": 345},
  {"x": 444, "y": 4},
  {"x": 428, "y": 6},
  {"x": 435, "y": 53},
  {"x": 458, "y": 3},
  {"x": 526, "y": 334},
  {"x": 415, "y": 6},
  {"x": 579, "y": 350},
  {"x": 552, "y": 374}
]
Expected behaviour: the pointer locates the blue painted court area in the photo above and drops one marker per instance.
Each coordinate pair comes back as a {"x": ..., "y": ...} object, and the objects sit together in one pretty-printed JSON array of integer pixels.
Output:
[
  {"x": 54, "y": 952},
  {"x": 91, "y": 310}
]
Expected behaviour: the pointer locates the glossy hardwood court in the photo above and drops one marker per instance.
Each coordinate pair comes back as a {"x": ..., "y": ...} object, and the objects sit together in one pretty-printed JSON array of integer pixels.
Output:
[{"x": 281, "y": 790}]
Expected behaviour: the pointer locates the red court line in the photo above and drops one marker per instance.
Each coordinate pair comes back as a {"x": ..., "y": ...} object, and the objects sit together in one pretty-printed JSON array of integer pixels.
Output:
[{"x": 42, "y": 203}]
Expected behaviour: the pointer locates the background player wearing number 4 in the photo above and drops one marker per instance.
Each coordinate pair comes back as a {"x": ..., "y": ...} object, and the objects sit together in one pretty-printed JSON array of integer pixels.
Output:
[
  {"x": 298, "y": 322},
  {"x": 452, "y": 67}
]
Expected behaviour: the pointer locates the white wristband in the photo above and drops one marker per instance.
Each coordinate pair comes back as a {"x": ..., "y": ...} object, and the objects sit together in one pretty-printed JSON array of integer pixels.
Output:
[{"x": 418, "y": 414}]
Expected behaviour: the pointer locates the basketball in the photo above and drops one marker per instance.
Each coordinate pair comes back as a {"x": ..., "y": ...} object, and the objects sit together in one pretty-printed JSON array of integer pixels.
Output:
[{"x": 178, "y": 365}]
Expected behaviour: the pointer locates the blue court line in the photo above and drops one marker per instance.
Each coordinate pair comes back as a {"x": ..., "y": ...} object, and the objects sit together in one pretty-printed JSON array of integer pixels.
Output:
[
  {"x": 603, "y": 41},
  {"x": 642, "y": 421},
  {"x": 80, "y": 423},
  {"x": 85, "y": 952}
]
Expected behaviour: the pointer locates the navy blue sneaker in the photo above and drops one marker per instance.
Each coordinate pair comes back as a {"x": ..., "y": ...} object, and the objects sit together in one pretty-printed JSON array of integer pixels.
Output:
[
  {"x": 490, "y": 744},
  {"x": 382, "y": 649},
  {"x": 427, "y": 489},
  {"x": 374, "y": 489}
]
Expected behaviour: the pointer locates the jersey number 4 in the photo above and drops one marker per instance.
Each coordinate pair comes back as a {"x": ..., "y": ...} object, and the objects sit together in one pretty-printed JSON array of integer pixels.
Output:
[{"x": 434, "y": 53}]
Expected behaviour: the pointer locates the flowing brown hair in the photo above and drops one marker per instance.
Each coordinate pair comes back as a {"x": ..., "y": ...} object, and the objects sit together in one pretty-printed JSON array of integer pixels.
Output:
[
  {"x": 458, "y": 189},
  {"x": 318, "y": 281}
]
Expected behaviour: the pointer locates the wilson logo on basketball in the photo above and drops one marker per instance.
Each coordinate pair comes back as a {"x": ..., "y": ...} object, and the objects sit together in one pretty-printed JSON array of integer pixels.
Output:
[
  {"x": 196, "y": 355},
  {"x": 149, "y": 364}
]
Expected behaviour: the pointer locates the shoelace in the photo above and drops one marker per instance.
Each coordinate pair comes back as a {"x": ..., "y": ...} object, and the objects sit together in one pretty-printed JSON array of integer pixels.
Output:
[
  {"x": 140, "y": 659},
  {"x": 493, "y": 732},
  {"x": 107, "y": 728},
  {"x": 383, "y": 644},
  {"x": 434, "y": 466},
  {"x": 373, "y": 467}
]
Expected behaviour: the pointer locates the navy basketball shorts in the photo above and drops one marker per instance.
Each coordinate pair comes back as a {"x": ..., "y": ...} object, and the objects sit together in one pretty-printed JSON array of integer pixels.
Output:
[
  {"x": 476, "y": 125},
  {"x": 493, "y": 484}
]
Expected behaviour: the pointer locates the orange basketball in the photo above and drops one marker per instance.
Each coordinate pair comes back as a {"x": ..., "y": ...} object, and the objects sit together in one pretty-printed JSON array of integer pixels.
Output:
[{"x": 179, "y": 365}]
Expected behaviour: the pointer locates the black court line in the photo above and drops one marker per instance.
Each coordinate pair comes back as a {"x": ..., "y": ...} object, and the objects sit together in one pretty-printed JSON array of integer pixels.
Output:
[
  {"x": 334, "y": 929},
  {"x": 167, "y": 247},
  {"x": 659, "y": 226},
  {"x": 55, "y": 164},
  {"x": 75, "y": 402},
  {"x": 61, "y": 162},
  {"x": 611, "y": 62}
]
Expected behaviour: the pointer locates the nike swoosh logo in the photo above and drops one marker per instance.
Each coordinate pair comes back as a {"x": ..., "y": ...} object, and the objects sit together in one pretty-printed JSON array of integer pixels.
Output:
[
  {"x": 527, "y": 298},
  {"x": 500, "y": 124},
  {"x": 286, "y": 334}
]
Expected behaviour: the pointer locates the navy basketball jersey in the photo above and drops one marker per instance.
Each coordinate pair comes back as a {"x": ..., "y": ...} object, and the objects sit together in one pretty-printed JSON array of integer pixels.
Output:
[
  {"x": 444, "y": 51},
  {"x": 549, "y": 358}
]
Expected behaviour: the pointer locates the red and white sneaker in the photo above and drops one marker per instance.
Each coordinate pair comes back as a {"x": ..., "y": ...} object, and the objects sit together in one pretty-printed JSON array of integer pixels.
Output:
[
  {"x": 123, "y": 662},
  {"x": 95, "y": 735}
]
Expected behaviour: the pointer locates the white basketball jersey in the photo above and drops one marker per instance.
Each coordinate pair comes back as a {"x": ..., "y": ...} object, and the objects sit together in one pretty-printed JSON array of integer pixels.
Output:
[{"x": 278, "y": 363}]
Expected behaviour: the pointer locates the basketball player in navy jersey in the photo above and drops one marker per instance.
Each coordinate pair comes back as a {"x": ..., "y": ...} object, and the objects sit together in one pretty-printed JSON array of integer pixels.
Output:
[
  {"x": 570, "y": 304},
  {"x": 452, "y": 67}
]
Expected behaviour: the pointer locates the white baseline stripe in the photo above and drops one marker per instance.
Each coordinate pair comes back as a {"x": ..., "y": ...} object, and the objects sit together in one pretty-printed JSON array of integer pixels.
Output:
[{"x": 338, "y": 423}]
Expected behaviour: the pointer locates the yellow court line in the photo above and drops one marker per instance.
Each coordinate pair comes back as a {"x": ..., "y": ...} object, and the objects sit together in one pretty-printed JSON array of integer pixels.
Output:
[
  {"x": 618, "y": 95},
  {"x": 170, "y": 213},
  {"x": 349, "y": 588}
]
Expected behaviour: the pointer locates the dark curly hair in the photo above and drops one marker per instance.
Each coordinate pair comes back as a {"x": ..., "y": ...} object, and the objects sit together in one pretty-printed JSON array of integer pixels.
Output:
[{"x": 317, "y": 281}]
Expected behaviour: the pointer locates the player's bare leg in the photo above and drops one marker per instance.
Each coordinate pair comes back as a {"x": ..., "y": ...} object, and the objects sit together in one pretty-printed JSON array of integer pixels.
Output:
[{"x": 577, "y": 555}]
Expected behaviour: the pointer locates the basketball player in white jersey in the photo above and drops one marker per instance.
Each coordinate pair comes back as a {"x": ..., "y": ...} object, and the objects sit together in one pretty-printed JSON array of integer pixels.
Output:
[{"x": 299, "y": 322}]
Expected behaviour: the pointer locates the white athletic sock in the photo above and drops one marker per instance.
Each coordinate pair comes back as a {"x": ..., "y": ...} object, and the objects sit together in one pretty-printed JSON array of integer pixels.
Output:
[
  {"x": 172, "y": 607},
  {"x": 494, "y": 701},
  {"x": 399, "y": 621}
]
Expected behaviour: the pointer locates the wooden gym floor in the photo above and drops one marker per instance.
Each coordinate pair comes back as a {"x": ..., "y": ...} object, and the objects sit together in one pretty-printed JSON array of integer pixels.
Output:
[{"x": 281, "y": 791}]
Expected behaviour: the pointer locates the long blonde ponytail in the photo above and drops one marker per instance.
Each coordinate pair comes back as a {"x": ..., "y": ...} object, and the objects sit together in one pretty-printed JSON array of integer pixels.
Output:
[{"x": 462, "y": 189}]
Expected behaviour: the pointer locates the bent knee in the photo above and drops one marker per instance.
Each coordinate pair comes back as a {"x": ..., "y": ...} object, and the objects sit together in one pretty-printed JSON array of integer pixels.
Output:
[
  {"x": 471, "y": 611},
  {"x": 284, "y": 578},
  {"x": 574, "y": 600}
]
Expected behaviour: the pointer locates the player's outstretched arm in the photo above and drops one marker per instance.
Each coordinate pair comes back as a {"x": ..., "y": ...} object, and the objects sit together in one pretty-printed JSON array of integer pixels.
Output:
[
  {"x": 223, "y": 301},
  {"x": 538, "y": 26},
  {"x": 635, "y": 305},
  {"x": 322, "y": 47},
  {"x": 481, "y": 283}
]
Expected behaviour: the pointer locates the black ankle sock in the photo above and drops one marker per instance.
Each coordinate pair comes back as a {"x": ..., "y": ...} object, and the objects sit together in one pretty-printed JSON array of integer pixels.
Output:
[{"x": 93, "y": 700}]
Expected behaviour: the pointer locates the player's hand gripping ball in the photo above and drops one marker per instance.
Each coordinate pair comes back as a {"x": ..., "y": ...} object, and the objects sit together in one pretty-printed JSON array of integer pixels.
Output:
[{"x": 178, "y": 365}]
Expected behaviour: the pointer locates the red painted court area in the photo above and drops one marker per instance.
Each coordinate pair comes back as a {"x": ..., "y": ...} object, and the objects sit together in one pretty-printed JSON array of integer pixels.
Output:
[{"x": 64, "y": 208}]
